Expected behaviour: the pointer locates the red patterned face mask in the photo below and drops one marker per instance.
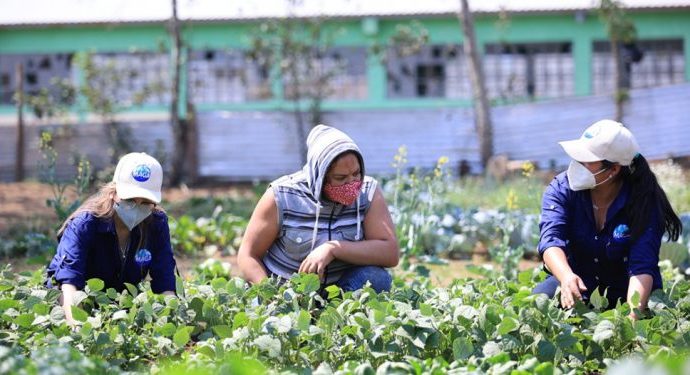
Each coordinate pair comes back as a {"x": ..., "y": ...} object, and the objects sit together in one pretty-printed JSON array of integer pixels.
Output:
[{"x": 345, "y": 194}]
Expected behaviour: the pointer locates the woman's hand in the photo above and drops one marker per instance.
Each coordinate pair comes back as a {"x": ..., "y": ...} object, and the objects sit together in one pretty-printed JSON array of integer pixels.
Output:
[
  {"x": 65, "y": 300},
  {"x": 317, "y": 261},
  {"x": 571, "y": 288}
]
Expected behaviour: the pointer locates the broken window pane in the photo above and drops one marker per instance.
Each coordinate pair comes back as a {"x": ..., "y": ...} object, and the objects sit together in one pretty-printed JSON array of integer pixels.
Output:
[
  {"x": 646, "y": 63},
  {"x": 219, "y": 76},
  {"x": 40, "y": 72},
  {"x": 436, "y": 71},
  {"x": 529, "y": 70}
]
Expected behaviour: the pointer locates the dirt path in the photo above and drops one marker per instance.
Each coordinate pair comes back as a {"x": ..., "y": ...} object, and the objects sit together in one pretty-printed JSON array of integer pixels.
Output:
[{"x": 24, "y": 204}]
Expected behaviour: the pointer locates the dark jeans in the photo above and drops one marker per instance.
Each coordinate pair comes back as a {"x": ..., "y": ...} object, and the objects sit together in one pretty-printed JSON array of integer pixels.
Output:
[
  {"x": 356, "y": 277},
  {"x": 549, "y": 286}
]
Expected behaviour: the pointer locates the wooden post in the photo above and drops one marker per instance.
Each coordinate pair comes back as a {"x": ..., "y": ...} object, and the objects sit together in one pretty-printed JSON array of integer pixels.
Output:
[{"x": 19, "y": 157}]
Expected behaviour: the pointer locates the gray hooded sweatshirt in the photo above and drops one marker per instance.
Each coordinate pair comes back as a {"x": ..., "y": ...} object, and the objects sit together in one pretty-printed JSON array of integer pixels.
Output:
[{"x": 305, "y": 218}]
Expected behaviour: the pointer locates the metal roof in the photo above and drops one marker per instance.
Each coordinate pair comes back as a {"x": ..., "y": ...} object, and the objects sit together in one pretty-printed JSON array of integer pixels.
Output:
[{"x": 56, "y": 12}]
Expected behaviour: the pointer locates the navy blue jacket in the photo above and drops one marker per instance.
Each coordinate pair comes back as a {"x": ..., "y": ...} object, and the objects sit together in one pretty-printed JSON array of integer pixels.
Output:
[
  {"x": 567, "y": 221},
  {"x": 89, "y": 249}
]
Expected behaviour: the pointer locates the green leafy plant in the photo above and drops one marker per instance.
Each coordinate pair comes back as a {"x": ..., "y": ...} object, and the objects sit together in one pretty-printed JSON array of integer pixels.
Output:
[
  {"x": 60, "y": 203},
  {"x": 218, "y": 323}
]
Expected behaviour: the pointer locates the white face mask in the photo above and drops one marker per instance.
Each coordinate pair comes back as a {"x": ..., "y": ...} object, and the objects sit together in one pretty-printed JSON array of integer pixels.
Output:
[
  {"x": 580, "y": 178},
  {"x": 132, "y": 213}
]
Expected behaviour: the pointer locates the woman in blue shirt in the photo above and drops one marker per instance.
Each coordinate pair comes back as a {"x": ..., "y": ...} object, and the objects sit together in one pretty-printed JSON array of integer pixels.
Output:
[
  {"x": 603, "y": 220},
  {"x": 118, "y": 235}
]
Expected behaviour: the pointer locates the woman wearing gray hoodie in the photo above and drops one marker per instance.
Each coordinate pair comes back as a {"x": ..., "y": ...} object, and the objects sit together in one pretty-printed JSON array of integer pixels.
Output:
[{"x": 328, "y": 218}]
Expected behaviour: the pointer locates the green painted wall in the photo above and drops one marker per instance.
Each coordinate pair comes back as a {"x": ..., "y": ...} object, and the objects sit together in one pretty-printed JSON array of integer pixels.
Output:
[{"x": 522, "y": 28}]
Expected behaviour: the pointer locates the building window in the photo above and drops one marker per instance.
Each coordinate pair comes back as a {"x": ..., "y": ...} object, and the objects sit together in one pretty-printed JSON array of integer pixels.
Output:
[
  {"x": 41, "y": 71},
  {"x": 132, "y": 78},
  {"x": 529, "y": 70},
  {"x": 342, "y": 71},
  {"x": 217, "y": 76},
  {"x": 436, "y": 71},
  {"x": 647, "y": 63}
]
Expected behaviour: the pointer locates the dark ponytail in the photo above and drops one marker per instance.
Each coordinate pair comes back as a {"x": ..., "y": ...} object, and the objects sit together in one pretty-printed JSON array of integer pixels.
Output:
[{"x": 647, "y": 199}]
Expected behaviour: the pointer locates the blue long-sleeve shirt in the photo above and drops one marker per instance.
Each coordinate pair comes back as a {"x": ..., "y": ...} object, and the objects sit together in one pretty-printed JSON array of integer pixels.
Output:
[
  {"x": 89, "y": 249},
  {"x": 567, "y": 222}
]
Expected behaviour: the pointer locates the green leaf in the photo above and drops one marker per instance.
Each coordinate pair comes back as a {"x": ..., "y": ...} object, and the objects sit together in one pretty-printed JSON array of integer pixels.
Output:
[
  {"x": 462, "y": 348},
  {"x": 626, "y": 330},
  {"x": 546, "y": 351},
  {"x": 182, "y": 336},
  {"x": 598, "y": 301},
  {"x": 333, "y": 291},
  {"x": 133, "y": 291},
  {"x": 5, "y": 285},
  {"x": 236, "y": 364},
  {"x": 306, "y": 284},
  {"x": 507, "y": 325},
  {"x": 303, "y": 321},
  {"x": 112, "y": 293},
  {"x": 167, "y": 330},
  {"x": 268, "y": 344},
  {"x": 240, "y": 320},
  {"x": 95, "y": 285},
  {"x": 565, "y": 341},
  {"x": 223, "y": 331},
  {"x": 426, "y": 309},
  {"x": 8, "y": 304},
  {"x": 119, "y": 315},
  {"x": 24, "y": 320},
  {"x": 41, "y": 309},
  {"x": 525, "y": 277},
  {"x": 79, "y": 314},
  {"x": 218, "y": 283},
  {"x": 102, "y": 339},
  {"x": 603, "y": 331},
  {"x": 545, "y": 368},
  {"x": 207, "y": 351}
]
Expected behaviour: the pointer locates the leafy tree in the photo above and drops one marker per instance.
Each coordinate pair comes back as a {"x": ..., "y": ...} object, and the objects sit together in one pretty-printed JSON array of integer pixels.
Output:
[
  {"x": 298, "y": 53},
  {"x": 295, "y": 49}
]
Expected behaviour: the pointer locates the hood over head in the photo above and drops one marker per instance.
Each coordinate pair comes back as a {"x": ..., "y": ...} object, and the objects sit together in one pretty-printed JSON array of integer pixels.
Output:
[{"x": 324, "y": 145}]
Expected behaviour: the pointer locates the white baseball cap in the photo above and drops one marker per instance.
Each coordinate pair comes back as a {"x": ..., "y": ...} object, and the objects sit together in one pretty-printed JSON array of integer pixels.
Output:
[
  {"x": 603, "y": 140},
  {"x": 138, "y": 175}
]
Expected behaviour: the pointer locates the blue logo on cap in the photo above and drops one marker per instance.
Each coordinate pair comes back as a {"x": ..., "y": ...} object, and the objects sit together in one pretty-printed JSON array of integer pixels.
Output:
[
  {"x": 141, "y": 173},
  {"x": 591, "y": 132}
]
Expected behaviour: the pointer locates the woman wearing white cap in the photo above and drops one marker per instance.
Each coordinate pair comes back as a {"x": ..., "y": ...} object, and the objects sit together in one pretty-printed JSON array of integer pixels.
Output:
[
  {"x": 603, "y": 221},
  {"x": 118, "y": 235}
]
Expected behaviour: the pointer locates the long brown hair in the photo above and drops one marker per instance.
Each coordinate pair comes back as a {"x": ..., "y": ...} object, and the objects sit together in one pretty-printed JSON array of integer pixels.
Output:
[{"x": 102, "y": 206}]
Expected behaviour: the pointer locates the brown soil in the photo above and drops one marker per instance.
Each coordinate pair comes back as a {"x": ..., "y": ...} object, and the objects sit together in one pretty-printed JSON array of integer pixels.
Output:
[{"x": 24, "y": 204}]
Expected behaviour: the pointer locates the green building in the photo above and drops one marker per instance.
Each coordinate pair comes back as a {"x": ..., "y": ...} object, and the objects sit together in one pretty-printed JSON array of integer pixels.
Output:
[{"x": 547, "y": 65}]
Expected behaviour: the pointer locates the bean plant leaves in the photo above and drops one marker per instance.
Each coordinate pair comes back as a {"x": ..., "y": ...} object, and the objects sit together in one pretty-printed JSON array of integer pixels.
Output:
[
  {"x": 95, "y": 285},
  {"x": 473, "y": 325},
  {"x": 182, "y": 336},
  {"x": 462, "y": 348},
  {"x": 603, "y": 331}
]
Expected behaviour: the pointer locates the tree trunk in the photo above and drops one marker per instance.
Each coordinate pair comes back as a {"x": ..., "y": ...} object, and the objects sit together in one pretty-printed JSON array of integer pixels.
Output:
[
  {"x": 481, "y": 102},
  {"x": 618, "y": 91},
  {"x": 19, "y": 159},
  {"x": 179, "y": 128}
]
